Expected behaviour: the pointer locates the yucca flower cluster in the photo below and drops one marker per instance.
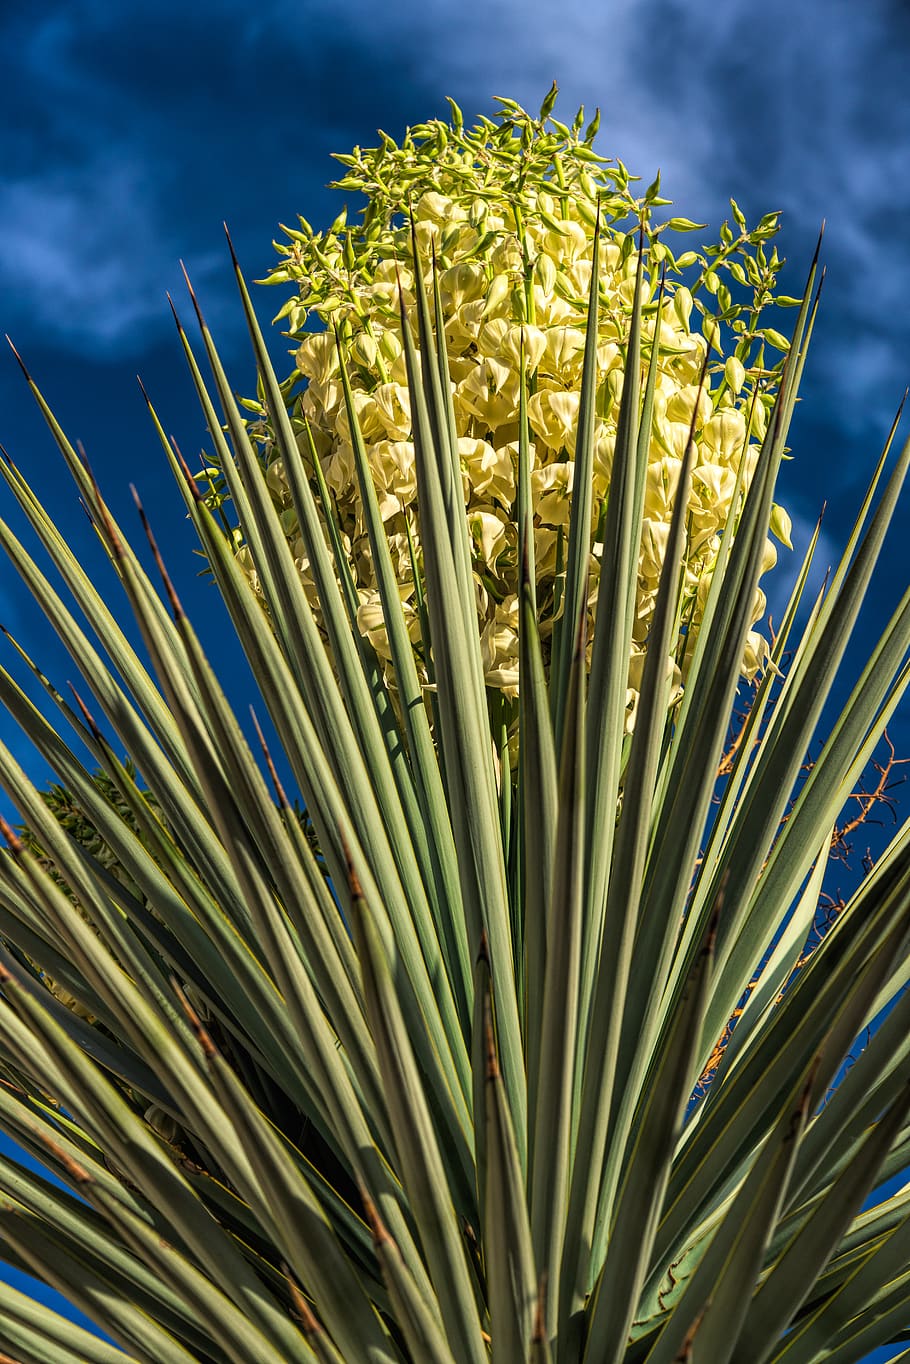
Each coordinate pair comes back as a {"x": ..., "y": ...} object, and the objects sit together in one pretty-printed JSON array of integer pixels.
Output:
[{"x": 507, "y": 214}]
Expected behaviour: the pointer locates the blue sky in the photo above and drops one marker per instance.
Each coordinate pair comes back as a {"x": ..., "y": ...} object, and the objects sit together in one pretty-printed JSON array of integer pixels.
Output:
[{"x": 132, "y": 130}]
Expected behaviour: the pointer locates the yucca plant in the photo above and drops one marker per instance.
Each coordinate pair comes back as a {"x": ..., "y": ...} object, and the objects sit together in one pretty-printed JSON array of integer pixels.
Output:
[{"x": 438, "y": 1065}]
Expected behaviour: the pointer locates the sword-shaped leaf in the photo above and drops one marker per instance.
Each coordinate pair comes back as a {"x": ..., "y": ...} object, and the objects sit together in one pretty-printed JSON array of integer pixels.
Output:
[
  {"x": 417, "y": 1315},
  {"x": 509, "y": 1258},
  {"x": 300, "y": 1227},
  {"x": 793, "y": 1273},
  {"x": 592, "y": 1185},
  {"x": 716, "y": 1299},
  {"x": 422, "y": 1167},
  {"x": 537, "y": 772},
  {"x": 640, "y": 1196},
  {"x": 465, "y": 740},
  {"x": 554, "y": 1119}
]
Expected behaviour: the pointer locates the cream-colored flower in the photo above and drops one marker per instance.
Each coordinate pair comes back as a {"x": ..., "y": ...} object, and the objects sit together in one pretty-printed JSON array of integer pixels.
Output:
[
  {"x": 756, "y": 654},
  {"x": 395, "y": 475},
  {"x": 553, "y": 416},
  {"x": 317, "y": 357},
  {"x": 491, "y": 533},
  {"x": 499, "y": 648},
  {"x": 551, "y": 489},
  {"x": 489, "y": 471}
]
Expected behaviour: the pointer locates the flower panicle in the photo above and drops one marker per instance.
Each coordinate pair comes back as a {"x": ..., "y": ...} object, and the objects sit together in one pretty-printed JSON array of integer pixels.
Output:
[{"x": 505, "y": 214}]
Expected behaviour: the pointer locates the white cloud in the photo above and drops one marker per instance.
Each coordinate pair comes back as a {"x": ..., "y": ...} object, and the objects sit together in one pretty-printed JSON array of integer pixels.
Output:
[
  {"x": 798, "y": 107},
  {"x": 87, "y": 248},
  {"x": 792, "y": 106}
]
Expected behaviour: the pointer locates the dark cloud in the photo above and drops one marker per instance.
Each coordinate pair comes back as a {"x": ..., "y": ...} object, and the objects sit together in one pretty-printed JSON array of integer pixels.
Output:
[
  {"x": 132, "y": 131},
  {"x": 133, "y": 136}
]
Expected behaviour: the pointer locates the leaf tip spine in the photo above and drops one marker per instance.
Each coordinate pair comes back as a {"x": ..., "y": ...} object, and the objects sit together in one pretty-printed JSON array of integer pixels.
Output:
[
  {"x": 492, "y": 1060},
  {"x": 192, "y": 293},
  {"x": 191, "y": 482},
  {"x": 116, "y": 544},
  {"x": 280, "y": 793},
  {"x": 311, "y": 1326},
  {"x": 380, "y": 1233},
  {"x": 210, "y": 1051},
  {"x": 234, "y": 260},
  {"x": 86, "y": 714},
  {"x": 354, "y": 885},
  {"x": 176, "y": 316},
  {"x": 9, "y": 342},
  {"x": 76, "y": 1172},
  {"x": 539, "y": 1332},
  {"x": 16, "y": 847},
  {"x": 179, "y": 613},
  {"x": 818, "y": 244}
]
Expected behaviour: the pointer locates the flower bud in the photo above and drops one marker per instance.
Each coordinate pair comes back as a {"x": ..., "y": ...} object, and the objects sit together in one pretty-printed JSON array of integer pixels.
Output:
[
  {"x": 682, "y": 305},
  {"x": 545, "y": 273},
  {"x": 781, "y": 525},
  {"x": 734, "y": 373}
]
